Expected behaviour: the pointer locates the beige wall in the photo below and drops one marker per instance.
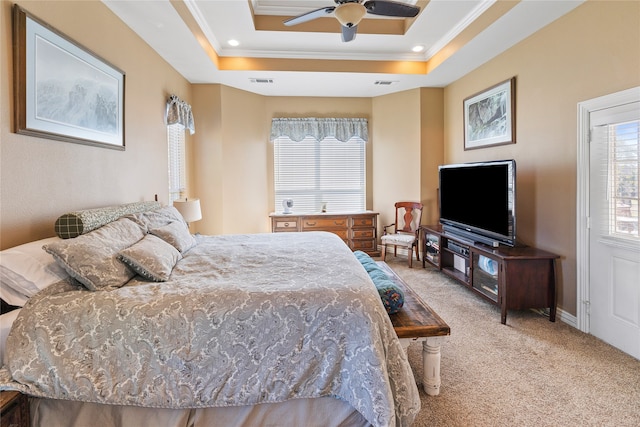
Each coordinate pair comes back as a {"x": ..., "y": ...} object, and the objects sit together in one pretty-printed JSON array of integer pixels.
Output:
[
  {"x": 233, "y": 157},
  {"x": 42, "y": 179},
  {"x": 431, "y": 150},
  {"x": 205, "y": 160},
  {"x": 590, "y": 52},
  {"x": 244, "y": 151},
  {"x": 396, "y": 154}
]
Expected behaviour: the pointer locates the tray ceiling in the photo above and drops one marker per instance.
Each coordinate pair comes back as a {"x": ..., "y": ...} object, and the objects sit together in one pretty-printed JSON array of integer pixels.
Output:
[{"x": 310, "y": 59}]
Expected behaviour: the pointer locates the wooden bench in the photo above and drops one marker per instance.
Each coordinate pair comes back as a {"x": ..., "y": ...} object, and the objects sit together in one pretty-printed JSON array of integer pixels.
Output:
[{"x": 416, "y": 321}]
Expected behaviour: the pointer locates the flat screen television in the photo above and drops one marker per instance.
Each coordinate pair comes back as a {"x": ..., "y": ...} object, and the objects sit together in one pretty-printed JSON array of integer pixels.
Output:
[{"x": 478, "y": 201}]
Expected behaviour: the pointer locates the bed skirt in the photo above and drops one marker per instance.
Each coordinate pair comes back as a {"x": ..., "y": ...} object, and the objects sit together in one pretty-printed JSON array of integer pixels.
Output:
[{"x": 318, "y": 412}]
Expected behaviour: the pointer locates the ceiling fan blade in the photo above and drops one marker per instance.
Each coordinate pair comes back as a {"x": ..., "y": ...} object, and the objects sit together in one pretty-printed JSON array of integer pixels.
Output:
[
  {"x": 391, "y": 8},
  {"x": 349, "y": 33},
  {"x": 309, "y": 16}
]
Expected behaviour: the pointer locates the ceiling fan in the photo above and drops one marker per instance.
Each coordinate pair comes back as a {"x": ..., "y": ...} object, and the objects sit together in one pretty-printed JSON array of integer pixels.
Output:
[{"x": 350, "y": 12}]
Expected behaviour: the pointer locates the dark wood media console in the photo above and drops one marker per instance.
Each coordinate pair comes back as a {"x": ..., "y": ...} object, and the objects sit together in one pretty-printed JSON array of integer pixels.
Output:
[{"x": 514, "y": 278}]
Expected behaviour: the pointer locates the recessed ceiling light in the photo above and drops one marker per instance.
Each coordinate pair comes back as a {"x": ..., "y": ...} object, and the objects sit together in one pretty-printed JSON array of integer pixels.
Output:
[
  {"x": 233, "y": 43},
  {"x": 418, "y": 48}
]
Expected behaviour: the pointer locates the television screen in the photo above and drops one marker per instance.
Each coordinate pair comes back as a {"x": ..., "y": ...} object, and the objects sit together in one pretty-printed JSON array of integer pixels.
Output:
[{"x": 477, "y": 200}]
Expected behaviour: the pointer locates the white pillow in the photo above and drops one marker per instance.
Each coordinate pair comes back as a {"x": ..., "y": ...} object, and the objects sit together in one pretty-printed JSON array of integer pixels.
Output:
[
  {"x": 11, "y": 297},
  {"x": 6, "y": 320},
  {"x": 27, "y": 269}
]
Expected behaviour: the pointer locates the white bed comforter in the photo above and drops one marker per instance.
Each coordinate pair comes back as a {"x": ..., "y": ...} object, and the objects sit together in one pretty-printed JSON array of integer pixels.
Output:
[{"x": 244, "y": 319}]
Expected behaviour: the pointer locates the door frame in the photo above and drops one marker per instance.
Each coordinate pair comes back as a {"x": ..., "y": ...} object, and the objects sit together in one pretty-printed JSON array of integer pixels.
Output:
[{"x": 582, "y": 197}]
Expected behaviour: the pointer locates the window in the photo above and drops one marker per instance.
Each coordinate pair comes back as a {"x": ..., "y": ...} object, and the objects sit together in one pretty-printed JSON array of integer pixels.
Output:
[
  {"x": 313, "y": 173},
  {"x": 624, "y": 170},
  {"x": 179, "y": 118},
  {"x": 177, "y": 161},
  {"x": 617, "y": 156}
]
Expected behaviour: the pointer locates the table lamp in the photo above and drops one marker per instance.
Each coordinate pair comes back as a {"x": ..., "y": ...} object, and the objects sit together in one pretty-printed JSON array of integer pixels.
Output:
[{"x": 189, "y": 209}]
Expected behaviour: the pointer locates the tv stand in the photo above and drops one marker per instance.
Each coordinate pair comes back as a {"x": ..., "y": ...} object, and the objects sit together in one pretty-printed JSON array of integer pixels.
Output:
[
  {"x": 470, "y": 237},
  {"x": 512, "y": 278}
]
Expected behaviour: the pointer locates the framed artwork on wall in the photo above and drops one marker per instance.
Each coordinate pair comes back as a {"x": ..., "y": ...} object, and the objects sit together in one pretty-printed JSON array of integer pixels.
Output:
[
  {"x": 62, "y": 90},
  {"x": 489, "y": 116}
]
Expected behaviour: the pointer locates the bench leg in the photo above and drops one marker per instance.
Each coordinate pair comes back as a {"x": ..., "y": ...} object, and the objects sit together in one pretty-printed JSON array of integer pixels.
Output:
[
  {"x": 430, "y": 362},
  {"x": 431, "y": 365}
]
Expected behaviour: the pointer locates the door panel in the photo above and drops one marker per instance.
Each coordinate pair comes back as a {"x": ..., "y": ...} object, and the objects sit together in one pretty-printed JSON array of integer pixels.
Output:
[{"x": 614, "y": 240}]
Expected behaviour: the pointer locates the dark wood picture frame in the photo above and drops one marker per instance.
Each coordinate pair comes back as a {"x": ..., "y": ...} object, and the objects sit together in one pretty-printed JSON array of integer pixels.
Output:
[
  {"x": 62, "y": 90},
  {"x": 490, "y": 116}
]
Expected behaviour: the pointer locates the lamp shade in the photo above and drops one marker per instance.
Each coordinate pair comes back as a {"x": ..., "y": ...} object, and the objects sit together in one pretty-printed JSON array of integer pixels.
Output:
[
  {"x": 350, "y": 14},
  {"x": 189, "y": 209}
]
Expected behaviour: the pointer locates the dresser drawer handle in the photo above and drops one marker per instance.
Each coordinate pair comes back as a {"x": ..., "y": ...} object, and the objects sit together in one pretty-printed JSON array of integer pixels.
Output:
[
  {"x": 338, "y": 222},
  {"x": 311, "y": 224},
  {"x": 286, "y": 224}
]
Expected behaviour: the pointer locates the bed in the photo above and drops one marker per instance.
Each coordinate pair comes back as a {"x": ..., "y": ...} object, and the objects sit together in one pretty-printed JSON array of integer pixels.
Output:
[{"x": 140, "y": 322}]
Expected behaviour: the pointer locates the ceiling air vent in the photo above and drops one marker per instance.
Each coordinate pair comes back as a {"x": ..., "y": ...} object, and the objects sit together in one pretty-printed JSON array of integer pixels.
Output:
[
  {"x": 384, "y": 82},
  {"x": 261, "y": 80}
]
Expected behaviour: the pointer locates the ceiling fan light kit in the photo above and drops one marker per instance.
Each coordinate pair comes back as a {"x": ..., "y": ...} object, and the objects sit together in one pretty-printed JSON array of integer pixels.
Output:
[{"x": 350, "y": 12}]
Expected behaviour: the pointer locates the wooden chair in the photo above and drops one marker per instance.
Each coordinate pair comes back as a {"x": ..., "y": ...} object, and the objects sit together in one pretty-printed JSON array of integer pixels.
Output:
[{"x": 406, "y": 230}]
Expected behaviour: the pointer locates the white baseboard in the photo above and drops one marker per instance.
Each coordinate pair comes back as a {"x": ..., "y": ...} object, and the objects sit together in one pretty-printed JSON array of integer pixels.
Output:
[
  {"x": 567, "y": 318},
  {"x": 561, "y": 315}
]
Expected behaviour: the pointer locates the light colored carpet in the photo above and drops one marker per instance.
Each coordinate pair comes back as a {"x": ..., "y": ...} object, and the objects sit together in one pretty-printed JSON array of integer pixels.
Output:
[{"x": 530, "y": 372}]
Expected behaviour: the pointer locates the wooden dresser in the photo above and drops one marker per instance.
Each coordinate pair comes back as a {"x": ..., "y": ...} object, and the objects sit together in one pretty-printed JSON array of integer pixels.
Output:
[{"x": 357, "y": 229}]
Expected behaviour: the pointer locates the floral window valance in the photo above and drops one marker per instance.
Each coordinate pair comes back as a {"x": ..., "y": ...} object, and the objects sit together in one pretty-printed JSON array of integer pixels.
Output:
[
  {"x": 179, "y": 111},
  {"x": 299, "y": 129}
]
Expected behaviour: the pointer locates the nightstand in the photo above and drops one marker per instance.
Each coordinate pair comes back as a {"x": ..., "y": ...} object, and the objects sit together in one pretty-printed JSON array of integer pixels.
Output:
[{"x": 14, "y": 409}]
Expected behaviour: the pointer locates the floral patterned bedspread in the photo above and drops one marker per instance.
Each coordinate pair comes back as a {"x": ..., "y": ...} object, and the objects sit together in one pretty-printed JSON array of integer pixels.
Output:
[{"x": 244, "y": 319}]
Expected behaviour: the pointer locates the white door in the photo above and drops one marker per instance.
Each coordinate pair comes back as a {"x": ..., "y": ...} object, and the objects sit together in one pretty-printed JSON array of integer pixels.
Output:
[{"x": 614, "y": 239}]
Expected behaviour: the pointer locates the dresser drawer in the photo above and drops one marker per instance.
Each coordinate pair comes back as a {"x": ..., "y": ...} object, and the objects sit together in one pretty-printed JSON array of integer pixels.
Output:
[
  {"x": 343, "y": 234},
  {"x": 364, "y": 245},
  {"x": 285, "y": 225},
  {"x": 363, "y": 233},
  {"x": 362, "y": 222},
  {"x": 324, "y": 223}
]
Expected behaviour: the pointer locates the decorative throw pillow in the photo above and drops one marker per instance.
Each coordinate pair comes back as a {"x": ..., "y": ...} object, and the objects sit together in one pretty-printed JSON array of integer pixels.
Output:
[
  {"x": 74, "y": 224},
  {"x": 152, "y": 258},
  {"x": 177, "y": 234},
  {"x": 91, "y": 258},
  {"x": 158, "y": 218}
]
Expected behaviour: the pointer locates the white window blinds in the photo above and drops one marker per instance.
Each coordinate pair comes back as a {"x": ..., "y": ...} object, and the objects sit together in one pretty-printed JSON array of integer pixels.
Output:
[
  {"x": 177, "y": 161},
  {"x": 178, "y": 118},
  {"x": 313, "y": 173},
  {"x": 617, "y": 145}
]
